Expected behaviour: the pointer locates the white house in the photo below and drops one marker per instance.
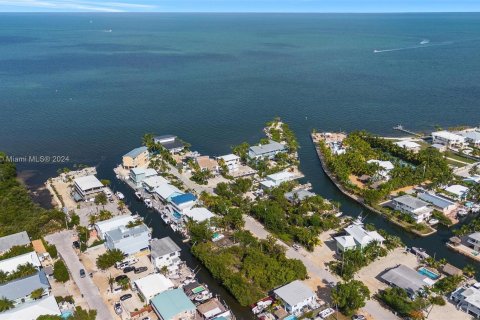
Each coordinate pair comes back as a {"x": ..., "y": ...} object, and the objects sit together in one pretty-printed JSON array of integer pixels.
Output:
[
  {"x": 231, "y": 161},
  {"x": 16, "y": 239},
  {"x": 198, "y": 214},
  {"x": 457, "y": 191},
  {"x": 103, "y": 227},
  {"x": 473, "y": 241},
  {"x": 295, "y": 296},
  {"x": 19, "y": 290},
  {"x": 151, "y": 183},
  {"x": 137, "y": 175},
  {"x": 11, "y": 264},
  {"x": 474, "y": 179},
  {"x": 167, "y": 191},
  {"x": 170, "y": 142},
  {"x": 357, "y": 238},
  {"x": 276, "y": 179},
  {"x": 384, "y": 168},
  {"x": 416, "y": 208},
  {"x": 128, "y": 240},
  {"x": 448, "y": 138},
  {"x": 266, "y": 151},
  {"x": 165, "y": 253},
  {"x": 467, "y": 299},
  {"x": 87, "y": 186},
  {"x": 183, "y": 201},
  {"x": 440, "y": 203},
  {"x": 33, "y": 309},
  {"x": 471, "y": 136},
  {"x": 153, "y": 284},
  {"x": 408, "y": 145}
]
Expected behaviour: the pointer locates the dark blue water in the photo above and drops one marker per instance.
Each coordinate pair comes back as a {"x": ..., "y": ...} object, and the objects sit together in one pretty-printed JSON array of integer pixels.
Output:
[{"x": 69, "y": 86}]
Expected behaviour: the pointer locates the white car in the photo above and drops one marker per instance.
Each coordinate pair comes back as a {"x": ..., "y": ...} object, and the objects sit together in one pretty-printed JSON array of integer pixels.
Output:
[{"x": 326, "y": 313}]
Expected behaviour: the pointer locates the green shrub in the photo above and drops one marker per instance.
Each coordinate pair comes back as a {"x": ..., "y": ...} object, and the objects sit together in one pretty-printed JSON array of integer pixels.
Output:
[{"x": 60, "y": 271}]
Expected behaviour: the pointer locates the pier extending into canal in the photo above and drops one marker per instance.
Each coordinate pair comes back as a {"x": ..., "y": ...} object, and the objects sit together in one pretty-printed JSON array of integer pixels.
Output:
[{"x": 402, "y": 129}]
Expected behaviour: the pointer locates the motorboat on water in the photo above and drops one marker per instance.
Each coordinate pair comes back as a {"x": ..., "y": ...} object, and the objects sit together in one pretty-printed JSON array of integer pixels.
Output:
[
  {"x": 462, "y": 212},
  {"x": 119, "y": 195},
  {"x": 148, "y": 202},
  {"x": 420, "y": 252},
  {"x": 138, "y": 194},
  {"x": 425, "y": 41},
  {"x": 339, "y": 214},
  {"x": 433, "y": 222}
]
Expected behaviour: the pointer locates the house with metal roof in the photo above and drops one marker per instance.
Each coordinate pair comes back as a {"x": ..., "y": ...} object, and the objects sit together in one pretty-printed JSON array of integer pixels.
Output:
[
  {"x": 12, "y": 240},
  {"x": 357, "y": 238},
  {"x": 165, "y": 253},
  {"x": 167, "y": 191},
  {"x": 416, "y": 208},
  {"x": 137, "y": 175},
  {"x": 19, "y": 290},
  {"x": 183, "y": 201},
  {"x": 232, "y": 161},
  {"x": 153, "y": 182},
  {"x": 295, "y": 296},
  {"x": 170, "y": 142},
  {"x": 408, "y": 145},
  {"x": 384, "y": 168},
  {"x": 467, "y": 299},
  {"x": 473, "y": 241},
  {"x": 173, "y": 305},
  {"x": 11, "y": 264},
  {"x": 448, "y": 138},
  {"x": 128, "y": 240},
  {"x": 153, "y": 284},
  {"x": 438, "y": 202},
  {"x": 32, "y": 310},
  {"x": 299, "y": 195},
  {"x": 85, "y": 187},
  {"x": 198, "y": 214},
  {"x": 266, "y": 151},
  {"x": 137, "y": 157},
  {"x": 104, "y": 226},
  {"x": 457, "y": 192},
  {"x": 471, "y": 136},
  {"x": 407, "y": 279},
  {"x": 276, "y": 179}
]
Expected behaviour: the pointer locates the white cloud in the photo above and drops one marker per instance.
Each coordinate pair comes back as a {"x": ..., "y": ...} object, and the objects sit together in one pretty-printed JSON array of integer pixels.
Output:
[{"x": 76, "y": 5}]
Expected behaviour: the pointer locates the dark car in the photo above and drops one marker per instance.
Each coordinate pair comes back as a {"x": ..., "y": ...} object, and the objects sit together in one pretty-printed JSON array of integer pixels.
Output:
[
  {"x": 125, "y": 297},
  {"x": 121, "y": 277},
  {"x": 82, "y": 273},
  {"x": 359, "y": 317},
  {"x": 76, "y": 244},
  {"x": 140, "y": 269},
  {"x": 128, "y": 269},
  {"x": 118, "y": 308}
]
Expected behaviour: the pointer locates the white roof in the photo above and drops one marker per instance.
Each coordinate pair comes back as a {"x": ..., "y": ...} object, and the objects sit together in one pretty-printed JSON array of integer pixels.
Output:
[
  {"x": 448, "y": 135},
  {"x": 12, "y": 264},
  {"x": 154, "y": 181},
  {"x": 472, "y": 296},
  {"x": 153, "y": 284},
  {"x": 474, "y": 178},
  {"x": 149, "y": 172},
  {"x": 114, "y": 223},
  {"x": 407, "y": 144},
  {"x": 229, "y": 157},
  {"x": 471, "y": 135},
  {"x": 387, "y": 165},
  {"x": 283, "y": 175},
  {"x": 363, "y": 236},
  {"x": 32, "y": 310},
  {"x": 294, "y": 293},
  {"x": 268, "y": 183},
  {"x": 88, "y": 182},
  {"x": 346, "y": 241},
  {"x": 198, "y": 214},
  {"x": 165, "y": 191},
  {"x": 457, "y": 190}
]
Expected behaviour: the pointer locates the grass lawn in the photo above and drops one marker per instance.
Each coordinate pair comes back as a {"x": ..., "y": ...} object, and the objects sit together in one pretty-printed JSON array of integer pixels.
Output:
[{"x": 455, "y": 156}]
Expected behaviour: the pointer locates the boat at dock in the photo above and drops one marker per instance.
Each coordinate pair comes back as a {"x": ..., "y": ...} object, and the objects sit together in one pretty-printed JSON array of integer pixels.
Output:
[
  {"x": 148, "y": 202},
  {"x": 420, "y": 252},
  {"x": 119, "y": 195},
  {"x": 433, "y": 222},
  {"x": 138, "y": 194}
]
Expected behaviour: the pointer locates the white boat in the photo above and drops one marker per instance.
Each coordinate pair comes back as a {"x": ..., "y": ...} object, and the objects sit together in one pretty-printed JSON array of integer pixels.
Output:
[
  {"x": 358, "y": 221},
  {"x": 138, "y": 195},
  {"x": 425, "y": 41},
  {"x": 338, "y": 214},
  {"x": 462, "y": 212},
  {"x": 204, "y": 295},
  {"x": 148, "y": 203},
  {"x": 119, "y": 195},
  {"x": 420, "y": 252},
  {"x": 433, "y": 222}
]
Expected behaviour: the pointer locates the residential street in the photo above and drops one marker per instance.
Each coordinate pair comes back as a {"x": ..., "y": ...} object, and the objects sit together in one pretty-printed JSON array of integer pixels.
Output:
[
  {"x": 189, "y": 183},
  {"x": 372, "y": 307},
  {"x": 63, "y": 241}
]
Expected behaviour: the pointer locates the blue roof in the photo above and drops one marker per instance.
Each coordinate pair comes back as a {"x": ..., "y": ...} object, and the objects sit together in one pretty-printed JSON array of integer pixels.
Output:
[
  {"x": 183, "y": 198},
  {"x": 435, "y": 200},
  {"x": 136, "y": 152},
  {"x": 22, "y": 287},
  {"x": 171, "y": 303}
]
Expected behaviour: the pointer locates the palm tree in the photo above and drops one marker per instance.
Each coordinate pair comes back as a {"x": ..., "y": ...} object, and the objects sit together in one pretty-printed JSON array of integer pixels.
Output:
[
  {"x": 5, "y": 304},
  {"x": 92, "y": 219},
  {"x": 469, "y": 271},
  {"x": 164, "y": 270},
  {"x": 111, "y": 281}
]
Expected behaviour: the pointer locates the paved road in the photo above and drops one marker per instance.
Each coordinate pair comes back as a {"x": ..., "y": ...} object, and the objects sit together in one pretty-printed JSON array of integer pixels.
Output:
[
  {"x": 189, "y": 183},
  {"x": 63, "y": 241},
  {"x": 372, "y": 307}
]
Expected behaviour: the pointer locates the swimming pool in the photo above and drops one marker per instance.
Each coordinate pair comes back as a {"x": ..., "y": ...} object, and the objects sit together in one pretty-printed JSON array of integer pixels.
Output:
[
  {"x": 290, "y": 317},
  {"x": 66, "y": 314},
  {"x": 177, "y": 215},
  {"x": 432, "y": 275}
]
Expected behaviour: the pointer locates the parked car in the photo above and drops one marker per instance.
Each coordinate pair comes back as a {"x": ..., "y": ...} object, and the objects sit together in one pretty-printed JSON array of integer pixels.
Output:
[
  {"x": 128, "y": 269},
  {"x": 121, "y": 277},
  {"x": 118, "y": 308},
  {"x": 82, "y": 273},
  {"x": 326, "y": 313},
  {"x": 359, "y": 317},
  {"x": 76, "y": 245},
  {"x": 125, "y": 297},
  {"x": 146, "y": 318},
  {"x": 140, "y": 269}
]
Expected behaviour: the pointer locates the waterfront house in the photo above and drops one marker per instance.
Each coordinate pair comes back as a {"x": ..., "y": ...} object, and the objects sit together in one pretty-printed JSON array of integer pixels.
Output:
[
  {"x": 467, "y": 299},
  {"x": 183, "y": 201},
  {"x": 298, "y": 196},
  {"x": 206, "y": 163},
  {"x": 103, "y": 227},
  {"x": 408, "y": 145},
  {"x": 170, "y": 142},
  {"x": 439, "y": 203},
  {"x": 173, "y": 305},
  {"x": 11, "y": 264},
  {"x": 19, "y": 290},
  {"x": 448, "y": 139},
  {"x": 165, "y": 253},
  {"x": 473, "y": 241},
  {"x": 151, "y": 285},
  {"x": 440, "y": 147},
  {"x": 457, "y": 192},
  {"x": 295, "y": 296},
  {"x": 231, "y": 161},
  {"x": 276, "y": 179},
  {"x": 33, "y": 309},
  {"x": 138, "y": 157},
  {"x": 406, "y": 278},
  {"x": 266, "y": 151},
  {"x": 12, "y": 240},
  {"x": 198, "y": 214},
  {"x": 357, "y": 238},
  {"x": 166, "y": 191},
  {"x": 384, "y": 168},
  {"x": 151, "y": 183},
  {"x": 472, "y": 136},
  {"x": 137, "y": 175},
  {"x": 416, "y": 208},
  {"x": 128, "y": 240},
  {"x": 213, "y": 309},
  {"x": 474, "y": 179},
  {"x": 85, "y": 187}
]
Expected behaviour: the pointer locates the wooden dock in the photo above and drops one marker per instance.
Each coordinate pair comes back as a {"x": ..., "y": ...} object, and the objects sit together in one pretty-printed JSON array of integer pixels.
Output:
[{"x": 401, "y": 128}]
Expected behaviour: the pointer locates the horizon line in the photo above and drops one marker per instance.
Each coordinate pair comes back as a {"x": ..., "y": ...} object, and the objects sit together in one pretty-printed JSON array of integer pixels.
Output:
[{"x": 245, "y": 12}]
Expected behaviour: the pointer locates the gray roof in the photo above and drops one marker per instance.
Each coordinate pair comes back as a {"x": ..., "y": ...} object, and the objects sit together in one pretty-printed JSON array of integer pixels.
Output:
[
  {"x": 165, "y": 136},
  {"x": 405, "y": 278},
  {"x": 123, "y": 231},
  {"x": 161, "y": 247},
  {"x": 16, "y": 239},
  {"x": 475, "y": 236},
  {"x": 136, "y": 152},
  {"x": 471, "y": 135},
  {"x": 272, "y": 146},
  {"x": 88, "y": 182},
  {"x": 23, "y": 287},
  {"x": 294, "y": 292},
  {"x": 301, "y": 195},
  {"x": 436, "y": 200},
  {"x": 411, "y": 201}
]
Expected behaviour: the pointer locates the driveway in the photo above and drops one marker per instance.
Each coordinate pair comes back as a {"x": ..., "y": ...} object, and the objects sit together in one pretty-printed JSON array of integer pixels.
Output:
[{"x": 63, "y": 241}]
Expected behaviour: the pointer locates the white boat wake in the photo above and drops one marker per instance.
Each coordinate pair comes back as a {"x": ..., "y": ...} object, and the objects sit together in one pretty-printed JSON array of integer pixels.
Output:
[{"x": 423, "y": 44}]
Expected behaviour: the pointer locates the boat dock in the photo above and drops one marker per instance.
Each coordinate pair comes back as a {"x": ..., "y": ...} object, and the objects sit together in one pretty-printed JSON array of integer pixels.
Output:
[{"x": 401, "y": 128}]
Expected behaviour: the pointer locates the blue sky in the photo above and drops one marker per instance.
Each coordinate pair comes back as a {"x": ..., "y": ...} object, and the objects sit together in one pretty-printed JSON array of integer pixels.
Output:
[{"x": 240, "y": 5}]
